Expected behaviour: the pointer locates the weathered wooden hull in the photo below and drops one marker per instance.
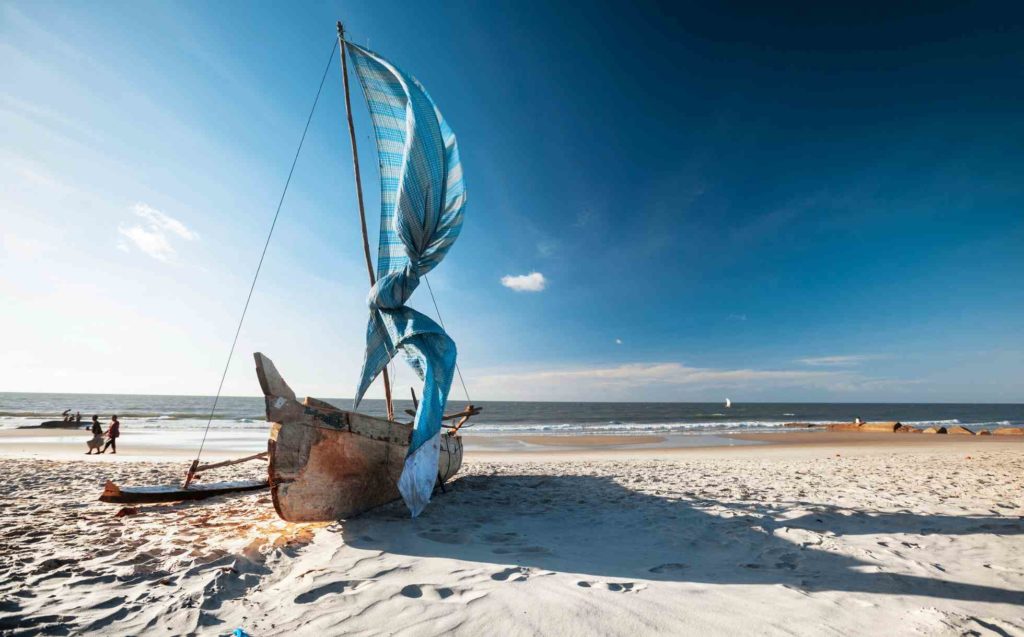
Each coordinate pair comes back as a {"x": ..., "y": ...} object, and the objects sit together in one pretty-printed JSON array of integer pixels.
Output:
[
  {"x": 329, "y": 464},
  {"x": 57, "y": 424}
]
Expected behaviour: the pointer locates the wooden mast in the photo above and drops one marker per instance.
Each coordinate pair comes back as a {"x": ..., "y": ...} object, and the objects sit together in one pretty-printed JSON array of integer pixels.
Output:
[{"x": 359, "y": 193}]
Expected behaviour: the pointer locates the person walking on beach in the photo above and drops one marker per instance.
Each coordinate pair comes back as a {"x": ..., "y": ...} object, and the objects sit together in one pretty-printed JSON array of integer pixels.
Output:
[
  {"x": 113, "y": 431},
  {"x": 96, "y": 441}
]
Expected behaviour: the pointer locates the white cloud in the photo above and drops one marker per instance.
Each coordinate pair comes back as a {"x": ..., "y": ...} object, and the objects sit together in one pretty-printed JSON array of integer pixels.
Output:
[
  {"x": 532, "y": 282},
  {"x": 838, "y": 361},
  {"x": 152, "y": 242},
  {"x": 161, "y": 221},
  {"x": 152, "y": 236},
  {"x": 618, "y": 341}
]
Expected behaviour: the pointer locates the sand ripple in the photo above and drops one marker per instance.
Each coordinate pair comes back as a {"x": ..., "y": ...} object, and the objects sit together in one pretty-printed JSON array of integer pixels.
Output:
[{"x": 928, "y": 542}]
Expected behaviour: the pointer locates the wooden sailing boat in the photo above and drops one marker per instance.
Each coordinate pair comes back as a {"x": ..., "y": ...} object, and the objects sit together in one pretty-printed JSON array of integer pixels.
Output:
[{"x": 327, "y": 463}]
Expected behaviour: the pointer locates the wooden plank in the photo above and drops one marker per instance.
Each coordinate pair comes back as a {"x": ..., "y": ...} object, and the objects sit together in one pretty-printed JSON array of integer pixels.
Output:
[
  {"x": 328, "y": 464},
  {"x": 309, "y": 401},
  {"x": 470, "y": 411},
  {"x": 227, "y": 463},
  {"x": 59, "y": 424},
  {"x": 270, "y": 380},
  {"x": 173, "y": 493}
]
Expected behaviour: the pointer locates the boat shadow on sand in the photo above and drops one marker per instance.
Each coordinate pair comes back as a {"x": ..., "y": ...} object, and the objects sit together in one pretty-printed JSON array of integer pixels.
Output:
[{"x": 594, "y": 526}]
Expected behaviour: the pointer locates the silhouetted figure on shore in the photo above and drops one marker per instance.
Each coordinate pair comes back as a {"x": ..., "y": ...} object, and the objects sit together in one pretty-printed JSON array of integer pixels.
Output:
[
  {"x": 96, "y": 441},
  {"x": 113, "y": 431},
  {"x": 66, "y": 415},
  {"x": 78, "y": 417}
]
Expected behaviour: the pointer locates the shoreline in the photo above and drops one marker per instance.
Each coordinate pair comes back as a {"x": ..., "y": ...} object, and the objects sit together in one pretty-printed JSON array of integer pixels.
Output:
[{"x": 156, "y": 446}]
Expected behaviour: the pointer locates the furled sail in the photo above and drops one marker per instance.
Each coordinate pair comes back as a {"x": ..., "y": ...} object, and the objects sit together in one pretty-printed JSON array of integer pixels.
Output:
[{"x": 422, "y": 202}]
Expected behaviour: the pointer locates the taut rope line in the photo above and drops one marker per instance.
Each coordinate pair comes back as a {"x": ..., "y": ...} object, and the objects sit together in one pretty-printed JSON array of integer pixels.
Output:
[
  {"x": 441, "y": 321},
  {"x": 259, "y": 266}
]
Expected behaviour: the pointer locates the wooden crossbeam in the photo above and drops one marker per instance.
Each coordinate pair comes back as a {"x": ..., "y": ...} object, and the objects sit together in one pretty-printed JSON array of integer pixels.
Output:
[
  {"x": 465, "y": 413},
  {"x": 215, "y": 465}
]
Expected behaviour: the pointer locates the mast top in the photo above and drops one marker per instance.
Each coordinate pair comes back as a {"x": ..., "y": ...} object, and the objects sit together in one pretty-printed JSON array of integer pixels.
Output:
[{"x": 341, "y": 30}]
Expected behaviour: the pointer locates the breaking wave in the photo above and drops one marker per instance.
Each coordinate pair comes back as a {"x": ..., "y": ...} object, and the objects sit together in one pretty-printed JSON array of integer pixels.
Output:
[{"x": 622, "y": 427}]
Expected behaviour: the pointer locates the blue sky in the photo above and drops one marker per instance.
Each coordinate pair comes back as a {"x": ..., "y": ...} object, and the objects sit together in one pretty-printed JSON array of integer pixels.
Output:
[{"x": 802, "y": 204}]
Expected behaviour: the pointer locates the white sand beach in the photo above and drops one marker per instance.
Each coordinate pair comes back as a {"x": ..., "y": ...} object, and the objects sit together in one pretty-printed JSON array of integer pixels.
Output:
[
  {"x": 682, "y": 319},
  {"x": 918, "y": 537}
]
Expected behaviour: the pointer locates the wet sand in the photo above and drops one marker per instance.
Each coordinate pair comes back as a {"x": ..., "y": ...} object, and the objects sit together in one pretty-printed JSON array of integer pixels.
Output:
[{"x": 157, "y": 446}]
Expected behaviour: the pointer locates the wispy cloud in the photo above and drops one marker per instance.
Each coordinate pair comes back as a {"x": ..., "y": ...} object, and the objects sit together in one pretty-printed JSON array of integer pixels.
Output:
[
  {"x": 547, "y": 247},
  {"x": 532, "y": 282},
  {"x": 839, "y": 361},
  {"x": 29, "y": 171},
  {"x": 584, "y": 218},
  {"x": 618, "y": 341},
  {"x": 154, "y": 235}
]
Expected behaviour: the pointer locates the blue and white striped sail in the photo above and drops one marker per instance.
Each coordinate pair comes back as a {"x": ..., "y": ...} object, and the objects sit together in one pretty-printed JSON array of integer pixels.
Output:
[{"x": 422, "y": 202}]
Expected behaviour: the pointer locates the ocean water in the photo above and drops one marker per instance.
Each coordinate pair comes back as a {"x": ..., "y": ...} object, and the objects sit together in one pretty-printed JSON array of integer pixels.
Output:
[{"x": 154, "y": 414}]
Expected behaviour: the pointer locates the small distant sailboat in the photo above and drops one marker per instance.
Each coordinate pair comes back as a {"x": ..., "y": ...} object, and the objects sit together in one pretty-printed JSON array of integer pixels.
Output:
[{"x": 728, "y": 403}]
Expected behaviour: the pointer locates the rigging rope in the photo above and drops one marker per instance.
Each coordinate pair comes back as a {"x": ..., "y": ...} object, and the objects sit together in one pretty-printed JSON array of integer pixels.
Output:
[
  {"x": 441, "y": 321},
  {"x": 266, "y": 244}
]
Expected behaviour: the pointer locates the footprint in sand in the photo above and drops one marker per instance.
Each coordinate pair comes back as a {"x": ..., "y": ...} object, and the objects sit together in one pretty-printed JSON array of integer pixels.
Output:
[
  {"x": 787, "y": 561},
  {"x": 339, "y": 587},
  {"x": 416, "y": 591},
  {"x": 512, "y": 574},
  {"x": 412, "y": 591},
  {"x": 614, "y": 587}
]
